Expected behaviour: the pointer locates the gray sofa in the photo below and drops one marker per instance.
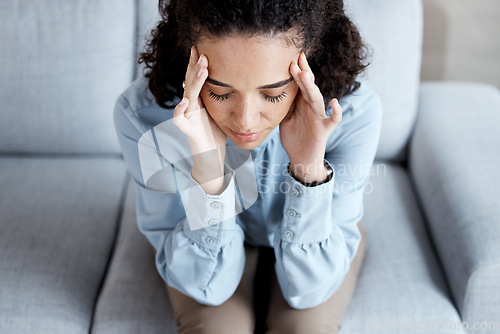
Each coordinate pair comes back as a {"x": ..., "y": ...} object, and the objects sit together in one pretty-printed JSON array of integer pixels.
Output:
[{"x": 72, "y": 259}]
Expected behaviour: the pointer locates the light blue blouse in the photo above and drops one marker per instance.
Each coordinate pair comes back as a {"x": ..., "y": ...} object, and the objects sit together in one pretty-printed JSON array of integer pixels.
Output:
[{"x": 200, "y": 238}]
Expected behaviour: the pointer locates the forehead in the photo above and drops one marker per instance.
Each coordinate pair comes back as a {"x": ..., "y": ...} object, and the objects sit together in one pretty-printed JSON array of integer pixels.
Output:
[{"x": 248, "y": 62}]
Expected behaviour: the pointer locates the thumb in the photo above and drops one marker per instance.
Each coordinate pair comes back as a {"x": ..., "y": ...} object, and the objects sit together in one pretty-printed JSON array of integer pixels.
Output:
[{"x": 336, "y": 116}]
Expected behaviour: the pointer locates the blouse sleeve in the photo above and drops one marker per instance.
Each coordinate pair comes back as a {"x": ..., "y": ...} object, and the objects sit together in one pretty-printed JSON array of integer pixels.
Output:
[
  {"x": 200, "y": 254},
  {"x": 319, "y": 237}
]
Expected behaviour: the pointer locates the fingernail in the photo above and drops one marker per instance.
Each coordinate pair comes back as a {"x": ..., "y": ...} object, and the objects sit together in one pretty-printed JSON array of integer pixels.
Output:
[
  {"x": 199, "y": 72},
  {"x": 297, "y": 67},
  {"x": 183, "y": 101},
  {"x": 191, "y": 54},
  {"x": 199, "y": 60}
]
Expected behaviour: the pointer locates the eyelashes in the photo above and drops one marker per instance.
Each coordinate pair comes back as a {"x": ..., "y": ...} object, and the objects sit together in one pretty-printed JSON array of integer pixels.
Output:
[
  {"x": 218, "y": 98},
  {"x": 272, "y": 99},
  {"x": 275, "y": 99}
]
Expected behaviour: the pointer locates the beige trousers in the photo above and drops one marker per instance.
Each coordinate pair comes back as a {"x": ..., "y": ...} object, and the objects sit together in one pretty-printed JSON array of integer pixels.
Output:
[{"x": 237, "y": 315}]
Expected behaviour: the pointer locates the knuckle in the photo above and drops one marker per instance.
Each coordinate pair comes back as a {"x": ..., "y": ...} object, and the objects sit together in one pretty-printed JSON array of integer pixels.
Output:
[
  {"x": 178, "y": 107},
  {"x": 176, "y": 121}
]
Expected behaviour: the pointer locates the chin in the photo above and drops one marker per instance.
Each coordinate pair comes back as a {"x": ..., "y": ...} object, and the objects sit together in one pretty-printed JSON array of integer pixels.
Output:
[{"x": 247, "y": 145}]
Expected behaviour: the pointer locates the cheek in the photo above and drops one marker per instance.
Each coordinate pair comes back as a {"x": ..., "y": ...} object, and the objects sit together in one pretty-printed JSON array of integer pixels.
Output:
[
  {"x": 208, "y": 102},
  {"x": 281, "y": 113},
  {"x": 293, "y": 92},
  {"x": 215, "y": 109},
  {"x": 285, "y": 107}
]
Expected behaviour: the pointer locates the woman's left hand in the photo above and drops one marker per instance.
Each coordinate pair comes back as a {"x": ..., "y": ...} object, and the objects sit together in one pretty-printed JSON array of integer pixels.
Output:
[{"x": 305, "y": 129}]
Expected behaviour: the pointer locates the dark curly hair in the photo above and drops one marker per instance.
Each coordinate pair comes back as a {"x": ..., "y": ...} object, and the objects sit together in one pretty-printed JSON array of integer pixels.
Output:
[{"x": 332, "y": 43}]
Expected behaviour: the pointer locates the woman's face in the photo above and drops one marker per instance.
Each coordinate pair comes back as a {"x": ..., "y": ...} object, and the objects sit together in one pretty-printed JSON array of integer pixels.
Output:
[{"x": 249, "y": 89}]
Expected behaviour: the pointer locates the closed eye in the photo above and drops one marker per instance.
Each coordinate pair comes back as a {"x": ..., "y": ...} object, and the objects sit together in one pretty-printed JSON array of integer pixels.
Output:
[
  {"x": 275, "y": 99},
  {"x": 218, "y": 98},
  {"x": 272, "y": 99}
]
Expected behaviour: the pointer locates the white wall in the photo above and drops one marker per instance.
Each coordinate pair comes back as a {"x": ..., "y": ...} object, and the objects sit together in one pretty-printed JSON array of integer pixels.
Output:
[{"x": 461, "y": 40}]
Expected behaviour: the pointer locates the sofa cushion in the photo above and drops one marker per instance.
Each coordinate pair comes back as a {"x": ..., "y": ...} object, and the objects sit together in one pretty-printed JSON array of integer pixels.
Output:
[
  {"x": 58, "y": 219},
  {"x": 393, "y": 29},
  {"x": 147, "y": 18},
  {"x": 134, "y": 298},
  {"x": 64, "y": 63},
  {"x": 454, "y": 156},
  {"x": 401, "y": 286},
  {"x": 400, "y": 280}
]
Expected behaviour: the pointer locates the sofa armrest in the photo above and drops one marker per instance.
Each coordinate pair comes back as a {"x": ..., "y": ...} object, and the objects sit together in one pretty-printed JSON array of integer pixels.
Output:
[{"x": 454, "y": 163}]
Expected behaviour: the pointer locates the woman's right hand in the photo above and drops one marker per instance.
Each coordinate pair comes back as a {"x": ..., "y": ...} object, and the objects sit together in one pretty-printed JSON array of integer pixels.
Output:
[
  {"x": 190, "y": 115},
  {"x": 206, "y": 140}
]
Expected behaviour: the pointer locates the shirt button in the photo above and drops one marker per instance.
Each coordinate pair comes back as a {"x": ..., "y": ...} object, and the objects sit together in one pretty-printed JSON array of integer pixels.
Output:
[
  {"x": 295, "y": 192},
  {"x": 291, "y": 213},
  {"x": 288, "y": 234},
  {"x": 213, "y": 222},
  {"x": 210, "y": 240},
  {"x": 215, "y": 205}
]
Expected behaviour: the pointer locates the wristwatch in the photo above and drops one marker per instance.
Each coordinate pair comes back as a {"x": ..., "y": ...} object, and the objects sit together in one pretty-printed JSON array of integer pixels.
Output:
[{"x": 329, "y": 172}]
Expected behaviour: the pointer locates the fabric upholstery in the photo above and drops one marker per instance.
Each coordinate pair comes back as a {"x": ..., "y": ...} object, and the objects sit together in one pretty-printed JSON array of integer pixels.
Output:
[
  {"x": 67, "y": 267},
  {"x": 63, "y": 65},
  {"x": 401, "y": 280},
  {"x": 147, "y": 17},
  {"x": 454, "y": 159},
  {"x": 134, "y": 298},
  {"x": 393, "y": 29},
  {"x": 58, "y": 220}
]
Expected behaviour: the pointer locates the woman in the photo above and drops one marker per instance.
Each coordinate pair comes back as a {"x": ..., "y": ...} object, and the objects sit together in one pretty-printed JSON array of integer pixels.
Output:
[{"x": 235, "y": 153}]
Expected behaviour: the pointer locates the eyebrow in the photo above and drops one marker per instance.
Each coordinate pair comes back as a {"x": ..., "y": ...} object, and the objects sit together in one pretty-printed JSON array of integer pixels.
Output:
[{"x": 274, "y": 85}]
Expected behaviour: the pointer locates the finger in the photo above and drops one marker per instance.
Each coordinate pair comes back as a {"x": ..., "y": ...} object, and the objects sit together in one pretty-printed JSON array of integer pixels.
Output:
[
  {"x": 313, "y": 94},
  {"x": 193, "y": 66},
  {"x": 196, "y": 79},
  {"x": 309, "y": 90},
  {"x": 296, "y": 72},
  {"x": 193, "y": 57},
  {"x": 305, "y": 68},
  {"x": 179, "y": 111},
  {"x": 336, "y": 116},
  {"x": 304, "y": 65}
]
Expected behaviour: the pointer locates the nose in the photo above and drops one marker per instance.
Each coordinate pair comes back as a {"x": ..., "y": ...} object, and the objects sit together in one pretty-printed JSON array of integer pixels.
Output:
[{"x": 246, "y": 116}]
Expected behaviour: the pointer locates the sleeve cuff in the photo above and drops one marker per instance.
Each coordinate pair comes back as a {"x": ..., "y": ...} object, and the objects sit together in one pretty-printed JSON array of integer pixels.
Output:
[
  {"x": 210, "y": 219},
  {"x": 307, "y": 211}
]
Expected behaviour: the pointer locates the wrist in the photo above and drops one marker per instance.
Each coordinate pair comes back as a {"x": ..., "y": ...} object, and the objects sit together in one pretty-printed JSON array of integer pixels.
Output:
[
  {"x": 210, "y": 179},
  {"x": 309, "y": 173},
  {"x": 207, "y": 156},
  {"x": 199, "y": 145}
]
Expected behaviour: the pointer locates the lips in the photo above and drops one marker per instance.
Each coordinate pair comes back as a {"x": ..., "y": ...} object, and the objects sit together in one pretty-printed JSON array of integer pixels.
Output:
[{"x": 246, "y": 137}]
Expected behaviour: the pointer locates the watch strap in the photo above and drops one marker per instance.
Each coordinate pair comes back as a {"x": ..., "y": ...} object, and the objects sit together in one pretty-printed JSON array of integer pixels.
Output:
[{"x": 329, "y": 172}]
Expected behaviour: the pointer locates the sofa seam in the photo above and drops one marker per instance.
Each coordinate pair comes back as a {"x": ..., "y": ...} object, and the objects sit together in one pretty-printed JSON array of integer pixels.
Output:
[
  {"x": 430, "y": 237},
  {"x": 114, "y": 242}
]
